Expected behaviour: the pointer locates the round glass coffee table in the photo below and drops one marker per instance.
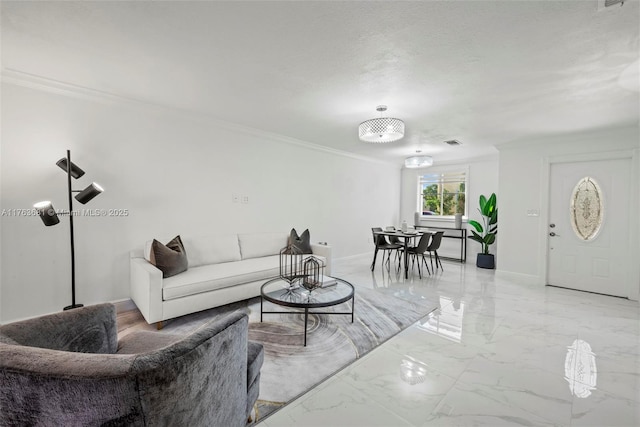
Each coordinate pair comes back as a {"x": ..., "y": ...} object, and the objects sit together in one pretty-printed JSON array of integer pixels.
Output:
[{"x": 279, "y": 292}]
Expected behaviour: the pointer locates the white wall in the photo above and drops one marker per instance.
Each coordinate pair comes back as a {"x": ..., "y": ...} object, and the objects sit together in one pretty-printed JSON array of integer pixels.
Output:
[
  {"x": 523, "y": 187},
  {"x": 175, "y": 175},
  {"x": 482, "y": 179}
]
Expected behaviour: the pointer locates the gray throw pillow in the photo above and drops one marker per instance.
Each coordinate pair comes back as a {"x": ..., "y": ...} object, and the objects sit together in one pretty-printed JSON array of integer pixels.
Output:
[
  {"x": 171, "y": 258},
  {"x": 301, "y": 243}
]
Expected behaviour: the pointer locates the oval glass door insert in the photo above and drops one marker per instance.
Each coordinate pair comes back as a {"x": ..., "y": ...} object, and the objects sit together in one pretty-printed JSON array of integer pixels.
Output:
[{"x": 586, "y": 209}]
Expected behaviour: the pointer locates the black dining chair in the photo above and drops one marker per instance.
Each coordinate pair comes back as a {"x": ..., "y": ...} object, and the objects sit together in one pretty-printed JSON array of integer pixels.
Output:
[
  {"x": 395, "y": 240},
  {"x": 433, "y": 249},
  {"x": 381, "y": 244},
  {"x": 419, "y": 251}
]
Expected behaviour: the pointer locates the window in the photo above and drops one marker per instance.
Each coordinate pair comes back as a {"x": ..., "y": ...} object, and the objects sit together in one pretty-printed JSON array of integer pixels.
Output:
[
  {"x": 443, "y": 194},
  {"x": 586, "y": 208}
]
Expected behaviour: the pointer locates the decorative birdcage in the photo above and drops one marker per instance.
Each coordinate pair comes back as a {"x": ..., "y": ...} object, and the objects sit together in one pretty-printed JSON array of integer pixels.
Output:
[
  {"x": 291, "y": 268},
  {"x": 313, "y": 269}
]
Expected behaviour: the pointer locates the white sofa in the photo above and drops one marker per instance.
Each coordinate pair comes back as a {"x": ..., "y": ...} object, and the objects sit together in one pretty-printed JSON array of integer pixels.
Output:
[{"x": 222, "y": 269}]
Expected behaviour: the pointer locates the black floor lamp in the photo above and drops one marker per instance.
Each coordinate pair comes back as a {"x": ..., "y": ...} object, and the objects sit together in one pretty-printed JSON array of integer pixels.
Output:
[{"x": 49, "y": 217}]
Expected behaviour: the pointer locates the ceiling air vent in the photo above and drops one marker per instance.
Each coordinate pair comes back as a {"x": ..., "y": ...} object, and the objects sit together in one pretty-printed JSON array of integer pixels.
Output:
[
  {"x": 603, "y": 4},
  {"x": 453, "y": 142}
]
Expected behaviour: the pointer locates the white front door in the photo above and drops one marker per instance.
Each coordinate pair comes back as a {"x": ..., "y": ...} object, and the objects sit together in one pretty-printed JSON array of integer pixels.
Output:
[{"x": 589, "y": 239}]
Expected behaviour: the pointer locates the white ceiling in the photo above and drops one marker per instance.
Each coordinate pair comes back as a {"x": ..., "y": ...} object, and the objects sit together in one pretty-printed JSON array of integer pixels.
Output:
[{"x": 482, "y": 72}]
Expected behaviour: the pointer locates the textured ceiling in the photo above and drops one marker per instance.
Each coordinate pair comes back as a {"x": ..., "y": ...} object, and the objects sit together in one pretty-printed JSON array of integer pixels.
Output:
[{"x": 482, "y": 72}]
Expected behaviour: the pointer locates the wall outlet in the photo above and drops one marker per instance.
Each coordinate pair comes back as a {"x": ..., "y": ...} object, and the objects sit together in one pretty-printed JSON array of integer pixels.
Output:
[{"x": 245, "y": 199}]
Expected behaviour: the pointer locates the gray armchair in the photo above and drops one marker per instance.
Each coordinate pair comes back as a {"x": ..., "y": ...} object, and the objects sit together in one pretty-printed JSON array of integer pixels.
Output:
[{"x": 69, "y": 369}]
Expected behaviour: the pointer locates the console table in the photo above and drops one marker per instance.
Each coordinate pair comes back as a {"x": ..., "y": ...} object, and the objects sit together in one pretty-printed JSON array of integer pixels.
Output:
[{"x": 455, "y": 233}]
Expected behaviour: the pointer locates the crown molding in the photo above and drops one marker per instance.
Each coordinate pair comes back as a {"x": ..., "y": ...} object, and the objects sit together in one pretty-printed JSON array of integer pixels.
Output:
[
  {"x": 467, "y": 160},
  {"x": 45, "y": 84},
  {"x": 604, "y": 133}
]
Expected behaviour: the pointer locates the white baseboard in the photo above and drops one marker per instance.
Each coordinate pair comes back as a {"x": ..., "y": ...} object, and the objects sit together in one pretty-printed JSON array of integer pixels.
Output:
[
  {"x": 526, "y": 279},
  {"x": 124, "y": 304},
  {"x": 351, "y": 257}
]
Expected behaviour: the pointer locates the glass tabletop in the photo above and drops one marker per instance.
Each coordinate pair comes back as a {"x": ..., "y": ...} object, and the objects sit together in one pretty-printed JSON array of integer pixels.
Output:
[{"x": 278, "y": 291}]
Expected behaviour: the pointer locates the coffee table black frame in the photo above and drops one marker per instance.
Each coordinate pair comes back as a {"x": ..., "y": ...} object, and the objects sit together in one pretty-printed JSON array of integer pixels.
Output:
[{"x": 302, "y": 301}]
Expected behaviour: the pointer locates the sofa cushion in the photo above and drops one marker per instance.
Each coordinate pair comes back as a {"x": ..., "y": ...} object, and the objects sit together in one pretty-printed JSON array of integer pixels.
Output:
[
  {"x": 302, "y": 242},
  {"x": 254, "y": 245},
  {"x": 147, "y": 249},
  {"x": 214, "y": 249},
  {"x": 218, "y": 276},
  {"x": 255, "y": 358},
  {"x": 171, "y": 258}
]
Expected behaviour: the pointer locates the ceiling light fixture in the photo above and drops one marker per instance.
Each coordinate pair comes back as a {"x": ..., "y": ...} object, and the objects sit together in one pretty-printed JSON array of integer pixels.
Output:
[
  {"x": 382, "y": 129},
  {"x": 418, "y": 161}
]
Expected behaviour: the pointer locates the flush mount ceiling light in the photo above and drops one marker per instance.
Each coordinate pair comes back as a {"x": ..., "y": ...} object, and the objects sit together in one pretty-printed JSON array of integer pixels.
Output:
[
  {"x": 418, "y": 161},
  {"x": 382, "y": 129}
]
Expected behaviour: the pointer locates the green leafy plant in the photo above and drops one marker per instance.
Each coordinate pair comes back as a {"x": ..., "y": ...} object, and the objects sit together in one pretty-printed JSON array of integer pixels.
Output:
[
  {"x": 461, "y": 199},
  {"x": 485, "y": 233}
]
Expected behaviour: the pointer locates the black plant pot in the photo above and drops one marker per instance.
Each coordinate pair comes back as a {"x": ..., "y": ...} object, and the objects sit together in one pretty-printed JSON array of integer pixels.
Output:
[{"x": 486, "y": 261}]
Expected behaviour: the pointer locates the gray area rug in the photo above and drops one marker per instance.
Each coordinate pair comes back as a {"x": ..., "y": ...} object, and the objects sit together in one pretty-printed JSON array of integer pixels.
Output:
[{"x": 333, "y": 342}]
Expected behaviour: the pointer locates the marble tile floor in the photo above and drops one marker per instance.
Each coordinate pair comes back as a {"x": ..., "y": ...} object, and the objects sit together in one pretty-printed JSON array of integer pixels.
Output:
[{"x": 496, "y": 352}]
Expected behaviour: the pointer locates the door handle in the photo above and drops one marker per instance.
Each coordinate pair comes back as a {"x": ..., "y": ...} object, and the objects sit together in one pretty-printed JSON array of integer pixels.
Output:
[
  {"x": 552, "y": 234},
  {"x": 552, "y": 225}
]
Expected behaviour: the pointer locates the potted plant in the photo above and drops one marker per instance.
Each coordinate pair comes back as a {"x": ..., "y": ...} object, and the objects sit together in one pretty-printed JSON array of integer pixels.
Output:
[{"x": 485, "y": 233}]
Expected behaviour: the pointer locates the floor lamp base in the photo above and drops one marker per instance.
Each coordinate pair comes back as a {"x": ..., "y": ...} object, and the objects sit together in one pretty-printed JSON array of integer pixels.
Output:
[{"x": 71, "y": 307}]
